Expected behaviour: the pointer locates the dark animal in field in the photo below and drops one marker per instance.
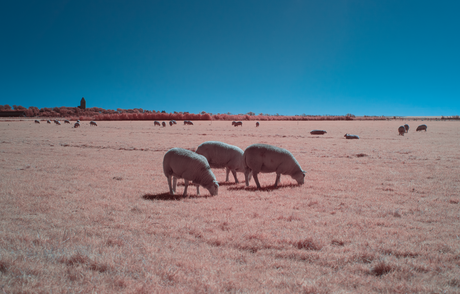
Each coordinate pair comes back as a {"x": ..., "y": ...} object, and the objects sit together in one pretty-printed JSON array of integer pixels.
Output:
[
  {"x": 401, "y": 130},
  {"x": 348, "y": 136},
  {"x": 421, "y": 128},
  {"x": 318, "y": 132},
  {"x": 406, "y": 127}
]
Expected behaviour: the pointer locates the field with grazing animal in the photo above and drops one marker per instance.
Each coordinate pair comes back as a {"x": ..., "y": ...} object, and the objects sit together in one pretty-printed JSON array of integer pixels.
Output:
[{"x": 88, "y": 209}]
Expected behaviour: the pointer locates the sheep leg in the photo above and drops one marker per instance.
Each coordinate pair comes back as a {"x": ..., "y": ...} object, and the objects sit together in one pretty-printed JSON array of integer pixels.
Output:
[
  {"x": 246, "y": 176},
  {"x": 186, "y": 186},
  {"x": 174, "y": 184},
  {"x": 171, "y": 191},
  {"x": 234, "y": 175},
  {"x": 197, "y": 189},
  {"x": 256, "y": 179},
  {"x": 227, "y": 170},
  {"x": 277, "y": 181}
]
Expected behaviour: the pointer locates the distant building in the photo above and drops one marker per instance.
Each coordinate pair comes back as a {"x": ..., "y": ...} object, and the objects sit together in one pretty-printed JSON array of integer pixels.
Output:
[{"x": 82, "y": 103}]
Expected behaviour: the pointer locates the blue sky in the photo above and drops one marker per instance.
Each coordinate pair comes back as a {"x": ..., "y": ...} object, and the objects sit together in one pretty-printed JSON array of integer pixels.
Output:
[{"x": 392, "y": 57}]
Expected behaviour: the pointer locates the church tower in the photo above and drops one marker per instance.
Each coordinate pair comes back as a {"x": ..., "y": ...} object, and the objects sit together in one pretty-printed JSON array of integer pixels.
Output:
[{"x": 83, "y": 103}]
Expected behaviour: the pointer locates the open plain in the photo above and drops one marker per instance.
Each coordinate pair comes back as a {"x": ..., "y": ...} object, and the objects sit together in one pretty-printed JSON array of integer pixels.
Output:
[{"x": 88, "y": 210}]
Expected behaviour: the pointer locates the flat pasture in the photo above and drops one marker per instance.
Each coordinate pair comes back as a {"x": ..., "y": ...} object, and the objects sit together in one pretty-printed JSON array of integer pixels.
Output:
[{"x": 88, "y": 210}]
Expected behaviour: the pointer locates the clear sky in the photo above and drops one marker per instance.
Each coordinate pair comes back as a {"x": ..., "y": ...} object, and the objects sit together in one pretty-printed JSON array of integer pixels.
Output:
[{"x": 365, "y": 57}]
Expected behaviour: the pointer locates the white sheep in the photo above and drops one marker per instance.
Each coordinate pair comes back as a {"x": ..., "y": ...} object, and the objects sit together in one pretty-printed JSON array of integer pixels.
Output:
[
  {"x": 238, "y": 123},
  {"x": 348, "y": 136},
  {"x": 318, "y": 132},
  {"x": 48, "y": 121},
  {"x": 187, "y": 122},
  {"x": 93, "y": 123},
  {"x": 222, "y": 155},
  {"x": 184, "y": 164},
  {"x": 37, "y": 121},
  {"x": 257, "y": 124},
  {"x": 263, "y": 158},
  {"x": 67, "y": 122},
  {"x": 163, "y": 124},
  {"x": 76, "y": 125},
  {"x": 421, "y": 128},
  {"x": 170, "y": 123},
  {"x": 156, "y": 123},
  {"x": 401, "y": 130},
  {"x": 406, "y": 128},
  {"x": 174, "y": 122},
  {"x": 58, "y": 123}
]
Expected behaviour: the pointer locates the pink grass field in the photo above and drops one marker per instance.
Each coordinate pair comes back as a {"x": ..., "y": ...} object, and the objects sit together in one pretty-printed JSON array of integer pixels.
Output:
[{"x": 88, "y": 210}]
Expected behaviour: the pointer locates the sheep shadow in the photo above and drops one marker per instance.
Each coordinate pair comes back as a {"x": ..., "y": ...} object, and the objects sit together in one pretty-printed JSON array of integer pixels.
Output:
[
  {"x": 162, "y": 196},
  {"x": 167, "y": 197},
  {"x": 262, "y": 189}
]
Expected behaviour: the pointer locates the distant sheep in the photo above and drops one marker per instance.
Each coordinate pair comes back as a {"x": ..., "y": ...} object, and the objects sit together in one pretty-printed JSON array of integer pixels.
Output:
[
  {"x": 58, "y": 123},
  {"x": 263, "y": 158},
  {"x": 174, "y": 122},
  {"x": 93, "y": 123},
  {"x": 421, "y": 128},
  {"x": 187, "y": 122},
  {"x": 67, "y": 122},
  {"x": 184, "y": 164},
  {"x": 76, "y": 125},
  {"x": 171, "y": 123},
  {"x": 318, "y": 132},
  {"x": 48, "y": 121},
  {"x": 237, "y": 123},
  {"x": 163, "y": 124},
  {"x": 222, "y": 155},
  {"x": 406, "y": 128},
  {"x": 348, "y": 136},
  {"x": 401, "y": 130},
  {"x": 37, "y": 121},
  {"x": 257, "y": 124},
  {"x": 156, "y": 123}
]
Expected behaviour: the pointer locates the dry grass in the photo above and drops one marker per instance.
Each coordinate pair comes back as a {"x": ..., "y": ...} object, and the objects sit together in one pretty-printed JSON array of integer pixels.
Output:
[{"x": 87, "y": 210}]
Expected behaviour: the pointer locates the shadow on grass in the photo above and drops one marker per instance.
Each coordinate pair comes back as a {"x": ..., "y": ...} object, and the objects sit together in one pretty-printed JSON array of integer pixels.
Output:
[
  {"x": 263, "y": 189},
  {"x": 167, "y": 197},
  {"x": 163, "y": 196}
]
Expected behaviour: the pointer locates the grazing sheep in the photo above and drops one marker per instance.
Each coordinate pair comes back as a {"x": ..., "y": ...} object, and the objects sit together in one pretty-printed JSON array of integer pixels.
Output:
[
  {"x": 263, "y": 158},
  {"x": 222, "y": 155},
  {"x": 233, "y": 123},
  {"x": 348, "y": 136},
  {"x": 401, "y": 130},
  {"x": 67, "y": 122},
  {"x": 174, "y": 122},
  {"x": 318, "y": 132},
  {"x": 184, "y": 164},
  {"x": 37, "y": 121},
  {"x": 55, "y": 121},
  {"x": 421, "y": 127},
  {"x": 163, "y": 124},
  {"x": 58, "y": 123},
  {"x": 187, "y": 122},
  {"x": 257, "y": 124},
  {"x": 76, "y": 125},
  {"x": 156, "y": 123},
  {"x": 238, "y": 123},
  {"x": 406, "y": 128},
  {"x": 48, "y": 121},
  {"x": 93, "y": 123}
]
